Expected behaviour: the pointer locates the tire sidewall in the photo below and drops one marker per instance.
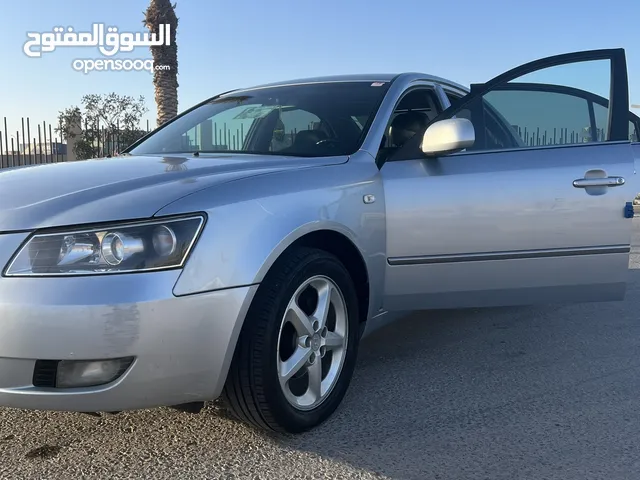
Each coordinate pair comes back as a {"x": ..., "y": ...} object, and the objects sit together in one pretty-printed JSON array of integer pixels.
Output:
[{"x": 317, "y": 263}]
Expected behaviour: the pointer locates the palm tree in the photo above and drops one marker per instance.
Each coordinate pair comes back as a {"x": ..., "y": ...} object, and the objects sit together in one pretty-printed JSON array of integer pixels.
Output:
[{"x": 165, "y": 81}]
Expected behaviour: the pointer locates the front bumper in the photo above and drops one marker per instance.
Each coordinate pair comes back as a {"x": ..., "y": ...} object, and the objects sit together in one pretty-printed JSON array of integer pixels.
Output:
[{"x": 182, "y": 345}]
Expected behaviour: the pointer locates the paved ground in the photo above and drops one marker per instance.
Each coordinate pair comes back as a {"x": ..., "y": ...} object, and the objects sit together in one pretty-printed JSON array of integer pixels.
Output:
[{"x": 517, "y": 393}]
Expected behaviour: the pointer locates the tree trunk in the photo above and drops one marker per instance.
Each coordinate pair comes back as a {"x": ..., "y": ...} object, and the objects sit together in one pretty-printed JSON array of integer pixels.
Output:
[{"x": 165, "y": 59}]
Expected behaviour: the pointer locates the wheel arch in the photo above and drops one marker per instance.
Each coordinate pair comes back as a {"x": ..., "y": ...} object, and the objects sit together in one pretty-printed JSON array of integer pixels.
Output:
[
  {"x": 337, "y": 240},
  {"x": 348, "y": 253}
]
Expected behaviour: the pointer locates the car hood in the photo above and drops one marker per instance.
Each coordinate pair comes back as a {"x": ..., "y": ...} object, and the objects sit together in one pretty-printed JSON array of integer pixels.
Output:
[{"x": 121, "y": 188}]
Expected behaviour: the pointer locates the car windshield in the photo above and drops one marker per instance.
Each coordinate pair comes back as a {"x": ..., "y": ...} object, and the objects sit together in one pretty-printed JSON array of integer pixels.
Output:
[{"x": 310, "y": 120}]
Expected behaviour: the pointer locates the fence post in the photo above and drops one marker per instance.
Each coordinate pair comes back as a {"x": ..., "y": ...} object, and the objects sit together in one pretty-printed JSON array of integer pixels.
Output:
[
  {"x": 73, "y": 137},
  {"x": 206, "y": 135}
]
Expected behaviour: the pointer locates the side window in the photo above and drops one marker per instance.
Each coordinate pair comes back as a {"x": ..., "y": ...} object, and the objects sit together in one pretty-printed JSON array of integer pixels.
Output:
[
  {"x": 290, "y": 123},
  {"x": 495, "y": 131},
  {"x": 413, "y": 112},
  {"x": 525, "y": 113},
  {"x": 601, "y": 114},
  {"x": 455, "y": 98}
]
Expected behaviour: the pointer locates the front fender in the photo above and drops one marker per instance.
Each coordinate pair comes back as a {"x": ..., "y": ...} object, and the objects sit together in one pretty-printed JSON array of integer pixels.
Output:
[
  {"x": 243, "y": 237},
  {"x": 312, "y": 226}
]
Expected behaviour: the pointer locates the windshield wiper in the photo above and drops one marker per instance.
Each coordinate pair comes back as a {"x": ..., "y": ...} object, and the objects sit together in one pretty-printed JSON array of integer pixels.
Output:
[{"x": 198, "y": 152}]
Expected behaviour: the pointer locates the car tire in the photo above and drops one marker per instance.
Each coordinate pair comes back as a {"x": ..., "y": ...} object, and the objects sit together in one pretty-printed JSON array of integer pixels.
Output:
[{"x": 257, "y": 390}]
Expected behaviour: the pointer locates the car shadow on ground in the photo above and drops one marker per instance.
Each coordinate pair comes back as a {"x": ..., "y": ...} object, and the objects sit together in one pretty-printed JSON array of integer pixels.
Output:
[{"x": 452, "y": 394}]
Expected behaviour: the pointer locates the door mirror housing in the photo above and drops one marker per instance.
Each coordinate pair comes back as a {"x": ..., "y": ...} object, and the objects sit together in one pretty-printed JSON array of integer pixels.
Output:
[{"x": 448, "y": 136}]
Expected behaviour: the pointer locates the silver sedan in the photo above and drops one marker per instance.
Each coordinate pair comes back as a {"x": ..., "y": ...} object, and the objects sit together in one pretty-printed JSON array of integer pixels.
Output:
[{"x": 244, "y": 248}]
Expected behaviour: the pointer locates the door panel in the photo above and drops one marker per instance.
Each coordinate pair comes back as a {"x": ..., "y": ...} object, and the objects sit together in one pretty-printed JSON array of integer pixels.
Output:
[
  {"x": 506, "y": 228},
  {"x": 503, "y": 222}
]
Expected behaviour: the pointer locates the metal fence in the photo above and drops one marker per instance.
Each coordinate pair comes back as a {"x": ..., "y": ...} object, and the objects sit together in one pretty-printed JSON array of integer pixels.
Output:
[
  {"x": 106, "y": 141},
  {"x": 40, "y": 143},
  {"x": 31, "y": 144},
  {"x": 558, "y": 136}
]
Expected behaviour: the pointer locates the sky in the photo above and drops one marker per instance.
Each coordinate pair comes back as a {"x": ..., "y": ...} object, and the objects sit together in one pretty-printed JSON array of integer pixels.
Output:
[{"x": 224, "y": 44}]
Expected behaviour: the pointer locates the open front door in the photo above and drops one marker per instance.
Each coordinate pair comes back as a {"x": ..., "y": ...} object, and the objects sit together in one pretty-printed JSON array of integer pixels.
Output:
[{"x": 536, "y": 210}]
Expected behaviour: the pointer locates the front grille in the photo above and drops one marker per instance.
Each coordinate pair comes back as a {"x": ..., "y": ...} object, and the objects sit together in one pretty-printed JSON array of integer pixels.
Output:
[{"x": 44, "y": 373}]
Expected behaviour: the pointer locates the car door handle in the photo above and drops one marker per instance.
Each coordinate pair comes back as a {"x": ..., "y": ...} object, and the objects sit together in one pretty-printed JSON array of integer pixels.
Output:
[{"x": 598, "y": 182}]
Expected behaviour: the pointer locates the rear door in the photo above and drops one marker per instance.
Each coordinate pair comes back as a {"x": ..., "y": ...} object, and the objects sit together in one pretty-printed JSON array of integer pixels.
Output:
[{"x": 536, "y": 211}]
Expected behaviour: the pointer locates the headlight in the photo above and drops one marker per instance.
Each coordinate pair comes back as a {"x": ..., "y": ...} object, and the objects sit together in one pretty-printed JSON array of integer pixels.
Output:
[{"x": 118, "y": 248}]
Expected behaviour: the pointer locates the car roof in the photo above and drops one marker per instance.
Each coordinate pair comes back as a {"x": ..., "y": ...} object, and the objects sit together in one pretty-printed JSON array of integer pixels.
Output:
[{"x": 360, "y": 77}]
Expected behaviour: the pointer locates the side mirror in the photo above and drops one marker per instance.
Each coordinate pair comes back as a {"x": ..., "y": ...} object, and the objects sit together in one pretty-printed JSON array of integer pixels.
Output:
[{"x": 448, "y": 136}]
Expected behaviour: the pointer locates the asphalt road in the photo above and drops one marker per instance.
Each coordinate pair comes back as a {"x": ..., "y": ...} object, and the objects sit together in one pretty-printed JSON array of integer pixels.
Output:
[{"x": 539, "y": 393}]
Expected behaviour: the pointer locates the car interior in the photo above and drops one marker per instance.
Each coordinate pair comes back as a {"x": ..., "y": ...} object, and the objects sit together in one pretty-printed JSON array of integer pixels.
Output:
[
  {"x": 330, "y": 131},
  {"x": 412, "y": 114}
]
